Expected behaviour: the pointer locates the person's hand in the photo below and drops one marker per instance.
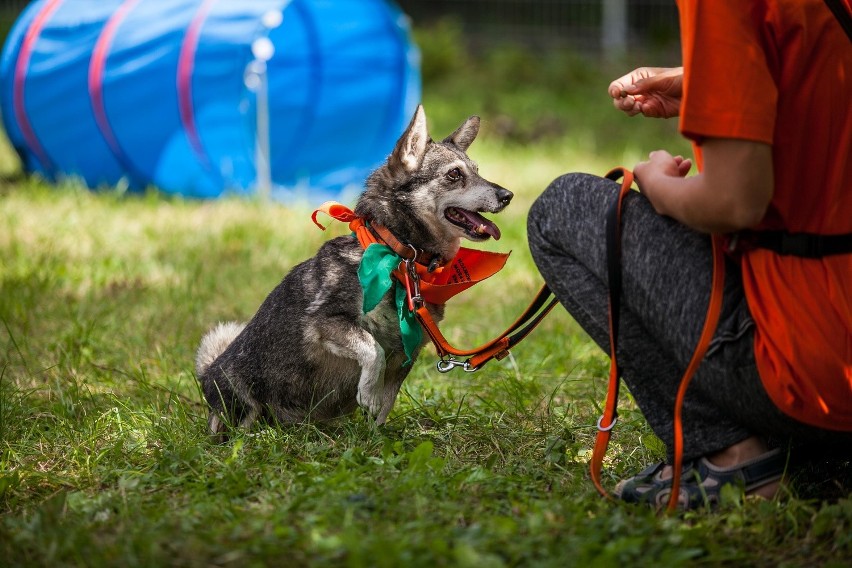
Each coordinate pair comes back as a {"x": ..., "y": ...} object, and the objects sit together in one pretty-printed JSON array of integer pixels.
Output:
[
  {"x": 651, "y": 91},
  {"x": 660, "y": 162},
  {"x": 732, "y": 192},
  {"x": 651, "y": 173}
]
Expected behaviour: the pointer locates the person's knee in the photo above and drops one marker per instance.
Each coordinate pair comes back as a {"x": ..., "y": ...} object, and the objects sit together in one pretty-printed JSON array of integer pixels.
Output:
[
  {"x": 553, "y": 204},
  {"x": 559, "y": 192}
]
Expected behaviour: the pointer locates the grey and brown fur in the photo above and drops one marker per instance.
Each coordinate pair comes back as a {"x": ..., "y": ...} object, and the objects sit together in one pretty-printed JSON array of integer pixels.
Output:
[{"x": 310, "y": 353}]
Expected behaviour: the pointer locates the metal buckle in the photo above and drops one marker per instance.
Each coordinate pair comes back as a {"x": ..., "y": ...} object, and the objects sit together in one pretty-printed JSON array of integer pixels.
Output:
[{"x": 733, "y": 242}]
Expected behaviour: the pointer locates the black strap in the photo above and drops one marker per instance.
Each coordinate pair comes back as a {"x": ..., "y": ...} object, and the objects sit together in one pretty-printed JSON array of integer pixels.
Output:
[
  {"x": 805, "y": 245},
  {"x": 764, "y": 469},
  {"x": 613, "y": 266},
  {"x": 613, "y": 254},
  {"x": 839, "y": 10},
  {"x": 536, "y": 305}
]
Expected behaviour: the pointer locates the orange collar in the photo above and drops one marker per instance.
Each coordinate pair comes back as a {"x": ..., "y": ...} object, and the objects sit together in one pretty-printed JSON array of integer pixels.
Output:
[{"x": 368, "y": 234}]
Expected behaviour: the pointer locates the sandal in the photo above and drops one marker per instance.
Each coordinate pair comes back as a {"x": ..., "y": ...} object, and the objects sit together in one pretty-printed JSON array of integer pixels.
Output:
[{"x": 701, "y": 482}]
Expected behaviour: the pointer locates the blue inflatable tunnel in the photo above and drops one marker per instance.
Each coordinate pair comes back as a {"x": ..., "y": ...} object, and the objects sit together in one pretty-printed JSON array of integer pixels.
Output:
[{"x": 201, "y": 98}]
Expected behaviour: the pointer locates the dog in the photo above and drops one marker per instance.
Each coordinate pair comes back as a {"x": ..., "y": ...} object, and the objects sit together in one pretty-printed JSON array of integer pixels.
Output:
[{"x": 310, "y": 353}]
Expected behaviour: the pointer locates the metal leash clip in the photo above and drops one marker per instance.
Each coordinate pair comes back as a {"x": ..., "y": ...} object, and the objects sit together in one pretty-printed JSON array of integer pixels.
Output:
[
  {"x": 447, "y": 364},
  {"x": 413, "y": 282}
]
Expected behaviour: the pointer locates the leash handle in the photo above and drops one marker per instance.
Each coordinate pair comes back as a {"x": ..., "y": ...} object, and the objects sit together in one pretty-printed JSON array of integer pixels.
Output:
[{"x": 613, "y": 247}]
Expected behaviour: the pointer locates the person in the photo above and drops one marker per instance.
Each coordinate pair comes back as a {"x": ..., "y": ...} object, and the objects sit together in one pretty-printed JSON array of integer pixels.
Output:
[{"x": 764, "y": 96}]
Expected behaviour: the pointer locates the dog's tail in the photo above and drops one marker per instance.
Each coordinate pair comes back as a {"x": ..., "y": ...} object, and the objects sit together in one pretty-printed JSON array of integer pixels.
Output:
[{"x": 214, "y": 343}]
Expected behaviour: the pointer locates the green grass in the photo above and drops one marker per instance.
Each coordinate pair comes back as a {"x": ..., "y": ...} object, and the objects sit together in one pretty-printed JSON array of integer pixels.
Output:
[{"x": 103, "y": 454}]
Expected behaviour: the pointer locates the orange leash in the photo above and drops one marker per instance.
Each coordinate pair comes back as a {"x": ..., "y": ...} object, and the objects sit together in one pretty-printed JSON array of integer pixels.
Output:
[
  {"x": 711, "y": 320},
  {"x": 497, "y": 348},
  {"x": 610, "y": 414}
]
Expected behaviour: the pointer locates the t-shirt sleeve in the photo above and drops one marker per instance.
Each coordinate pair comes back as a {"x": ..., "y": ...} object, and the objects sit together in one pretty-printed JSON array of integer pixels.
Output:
[{"x": 729, "y": 91}]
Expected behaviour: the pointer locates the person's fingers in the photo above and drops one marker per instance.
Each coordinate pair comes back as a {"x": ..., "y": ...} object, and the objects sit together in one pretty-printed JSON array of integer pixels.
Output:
[
  {"x": 663, "y": 159},
  {"x": 626, "y": 84},
  {"x": 627, "y": 105},
  {"x": 639, "y": 168},
  {"x": 650, "y": 109},
  {"x": 653, "y": 108},
  {"x": 644, "y": 85},
  {"x": 638, "y": 92},
  {"x": 633, "y": 88},
  {"x": 624, "y": 104},
  {"x": 617, "y": 89}
]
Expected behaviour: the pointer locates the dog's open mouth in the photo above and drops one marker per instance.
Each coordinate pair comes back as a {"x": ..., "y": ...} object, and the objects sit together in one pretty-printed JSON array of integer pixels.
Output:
[{"x": 476, "y": 226}]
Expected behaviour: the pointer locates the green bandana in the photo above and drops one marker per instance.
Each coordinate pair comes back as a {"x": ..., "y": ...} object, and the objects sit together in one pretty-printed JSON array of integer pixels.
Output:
[{"x": 377, "y": 264}]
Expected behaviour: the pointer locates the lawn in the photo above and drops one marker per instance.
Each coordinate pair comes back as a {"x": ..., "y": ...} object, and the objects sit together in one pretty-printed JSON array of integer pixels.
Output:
[{"x": 104, "y": 459}]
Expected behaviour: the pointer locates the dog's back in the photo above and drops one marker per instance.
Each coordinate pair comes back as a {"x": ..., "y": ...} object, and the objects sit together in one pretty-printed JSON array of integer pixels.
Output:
[{"x": 278, "y": 364}]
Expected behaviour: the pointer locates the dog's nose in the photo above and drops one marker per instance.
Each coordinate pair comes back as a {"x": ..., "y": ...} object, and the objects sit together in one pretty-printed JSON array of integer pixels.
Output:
[{"x": 504, "y": 196}]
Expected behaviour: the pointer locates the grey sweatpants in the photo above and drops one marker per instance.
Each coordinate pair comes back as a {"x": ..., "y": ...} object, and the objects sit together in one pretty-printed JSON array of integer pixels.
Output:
[{"x": 667, "y": 270}]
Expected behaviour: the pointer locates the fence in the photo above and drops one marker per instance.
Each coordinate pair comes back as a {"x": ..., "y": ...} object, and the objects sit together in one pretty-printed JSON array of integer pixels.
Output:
[{"x": 611, "y": 27}]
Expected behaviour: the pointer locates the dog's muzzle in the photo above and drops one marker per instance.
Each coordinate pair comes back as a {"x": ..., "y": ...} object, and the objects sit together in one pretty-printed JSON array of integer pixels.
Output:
[{"x": 504, "y": 196}]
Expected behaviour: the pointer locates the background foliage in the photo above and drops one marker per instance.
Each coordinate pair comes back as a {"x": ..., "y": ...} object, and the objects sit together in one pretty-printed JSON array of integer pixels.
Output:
[{"x": 103, "y": 454}]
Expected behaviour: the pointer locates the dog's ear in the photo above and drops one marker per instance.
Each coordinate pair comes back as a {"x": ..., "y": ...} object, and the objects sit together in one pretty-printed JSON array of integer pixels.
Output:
[
  {"x": 465, "y": 134},
  {"x": 411, "y": 147}
]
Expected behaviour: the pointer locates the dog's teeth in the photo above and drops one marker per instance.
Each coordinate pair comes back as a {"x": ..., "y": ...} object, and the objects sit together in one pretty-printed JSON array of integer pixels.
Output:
[{"x": 480, "y": 229}]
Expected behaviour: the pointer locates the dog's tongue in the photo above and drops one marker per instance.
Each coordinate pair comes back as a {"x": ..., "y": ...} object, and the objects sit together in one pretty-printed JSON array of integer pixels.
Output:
[{"x": 481, "y": 225}]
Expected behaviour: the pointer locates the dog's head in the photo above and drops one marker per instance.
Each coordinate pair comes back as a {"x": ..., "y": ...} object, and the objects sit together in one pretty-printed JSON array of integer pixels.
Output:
[{"x": 430, "y": 194}]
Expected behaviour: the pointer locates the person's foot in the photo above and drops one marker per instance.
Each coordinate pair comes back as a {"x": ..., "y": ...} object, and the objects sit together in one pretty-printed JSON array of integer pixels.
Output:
[
  {"x": 747, "y": 464},
  {"x": 741, "y": 452}
]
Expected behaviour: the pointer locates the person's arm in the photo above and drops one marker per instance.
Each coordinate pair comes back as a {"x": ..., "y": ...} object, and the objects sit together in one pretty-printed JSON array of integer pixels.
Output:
[
  {"x": 651, "y": 91},
  {"x": 731, "y": 193}
]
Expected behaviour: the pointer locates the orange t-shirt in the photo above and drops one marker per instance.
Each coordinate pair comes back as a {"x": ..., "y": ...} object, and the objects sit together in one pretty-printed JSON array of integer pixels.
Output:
[{"x": 780, "y": 72}]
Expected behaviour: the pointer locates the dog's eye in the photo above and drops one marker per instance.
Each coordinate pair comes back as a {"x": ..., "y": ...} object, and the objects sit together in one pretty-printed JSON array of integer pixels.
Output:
[{"x": 454, "y": 174}]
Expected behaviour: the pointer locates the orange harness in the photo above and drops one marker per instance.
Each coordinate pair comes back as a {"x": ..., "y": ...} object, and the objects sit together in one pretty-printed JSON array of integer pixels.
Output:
[
  {"x": 607, "y": 421},
  {"x": 430, "y": 280}
]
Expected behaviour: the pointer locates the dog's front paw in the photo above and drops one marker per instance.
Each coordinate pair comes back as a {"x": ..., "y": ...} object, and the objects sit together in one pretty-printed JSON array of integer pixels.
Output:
[{"x": 370, "y": 400}]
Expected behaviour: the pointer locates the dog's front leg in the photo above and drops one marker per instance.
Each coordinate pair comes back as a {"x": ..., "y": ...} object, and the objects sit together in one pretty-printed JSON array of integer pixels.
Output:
[
  {"x": 371, "y": 384},
  {"x": 395, "y": 373},
  {"x": 360, "y": 345}
]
